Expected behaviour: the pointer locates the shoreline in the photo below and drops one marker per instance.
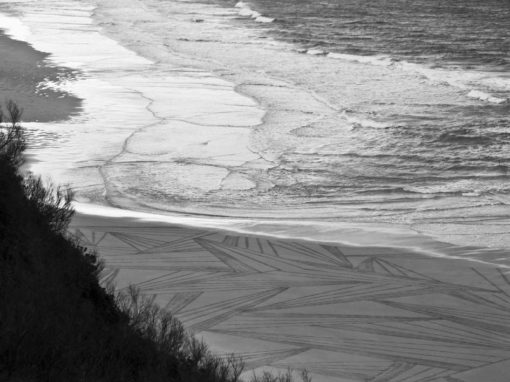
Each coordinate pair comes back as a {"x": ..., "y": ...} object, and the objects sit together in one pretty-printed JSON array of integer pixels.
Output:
[
  {"x": 348, "y": 234},
  {"x": 24, "y": 75},
  {"x": 282, "y": 303}
]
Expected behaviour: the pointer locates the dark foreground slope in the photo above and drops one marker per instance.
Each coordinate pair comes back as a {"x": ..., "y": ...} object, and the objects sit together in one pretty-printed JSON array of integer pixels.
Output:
[{"x": 56, "y": 322}]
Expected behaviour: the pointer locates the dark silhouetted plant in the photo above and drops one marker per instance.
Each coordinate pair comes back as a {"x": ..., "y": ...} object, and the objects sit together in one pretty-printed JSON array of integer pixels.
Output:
[
  {"x": 12, "y": 137},
  {"x": 53, "y": 202},
  {"x": 281, "y": 377}
]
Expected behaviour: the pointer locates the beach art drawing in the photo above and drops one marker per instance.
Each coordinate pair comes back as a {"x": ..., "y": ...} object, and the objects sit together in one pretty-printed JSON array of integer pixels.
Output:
[{"x": 344, "y": 313}]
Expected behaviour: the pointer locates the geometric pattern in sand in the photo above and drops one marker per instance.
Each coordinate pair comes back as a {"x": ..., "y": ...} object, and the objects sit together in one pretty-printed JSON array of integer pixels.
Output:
[{"x": 344, "y": 313}]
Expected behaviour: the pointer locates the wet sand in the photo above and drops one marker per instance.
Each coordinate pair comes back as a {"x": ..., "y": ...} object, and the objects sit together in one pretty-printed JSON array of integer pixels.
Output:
[
  {"x": 345, "y": 313},
  {"x": 23, "y": 73}
]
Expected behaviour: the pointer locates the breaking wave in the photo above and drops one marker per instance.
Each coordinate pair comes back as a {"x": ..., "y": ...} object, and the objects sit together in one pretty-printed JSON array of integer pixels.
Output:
[{"x": 246, "y": 11}]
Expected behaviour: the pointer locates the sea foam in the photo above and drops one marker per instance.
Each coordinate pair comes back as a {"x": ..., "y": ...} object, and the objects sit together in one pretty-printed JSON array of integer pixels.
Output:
[
  {"x": 461, "y": 79},
  {"x": 485, "y": 97},
  {"x": 365, "y": 122},
  {"x": 373, "y": 60},
  {"x": 246, "y": 11}
]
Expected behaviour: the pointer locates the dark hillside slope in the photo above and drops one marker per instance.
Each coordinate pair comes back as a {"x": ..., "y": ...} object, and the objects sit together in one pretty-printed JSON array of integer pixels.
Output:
[{"x": 53, "y": 314}]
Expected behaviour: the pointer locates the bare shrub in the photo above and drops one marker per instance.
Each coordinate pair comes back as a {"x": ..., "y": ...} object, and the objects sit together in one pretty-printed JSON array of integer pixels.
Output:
[
  {"x": 53, "y": 202},
  {"x": 281, "y": 377},
  {"x": 195, "y": 361},
  {"x": 12, "y": 136}
]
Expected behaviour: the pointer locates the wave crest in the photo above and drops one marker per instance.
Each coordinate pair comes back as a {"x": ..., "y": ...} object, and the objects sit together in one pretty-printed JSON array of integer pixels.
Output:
[
  {"x": 485, "y": 97},
  {"x": 463, "y": 80},
  {"x": 246, "y": 11}
]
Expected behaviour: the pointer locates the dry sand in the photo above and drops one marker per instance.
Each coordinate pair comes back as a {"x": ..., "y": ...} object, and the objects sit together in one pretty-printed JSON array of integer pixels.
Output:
[{"x": 344, "y": 313}]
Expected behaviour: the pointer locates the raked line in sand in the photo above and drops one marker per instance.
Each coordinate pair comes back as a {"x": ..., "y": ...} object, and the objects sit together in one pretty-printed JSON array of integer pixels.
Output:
[{"x": 344, "y": 313}]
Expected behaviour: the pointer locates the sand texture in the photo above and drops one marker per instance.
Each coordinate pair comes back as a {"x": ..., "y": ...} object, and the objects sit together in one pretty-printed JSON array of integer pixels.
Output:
[{"x": 345, "y": 313}]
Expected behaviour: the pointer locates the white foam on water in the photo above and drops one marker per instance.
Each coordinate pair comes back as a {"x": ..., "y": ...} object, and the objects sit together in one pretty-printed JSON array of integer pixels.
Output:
[
  {"x": 315, "y": 52},
  {"x": 246, "y": 11},
  {"x": 365, "y": 122},
  {"x": 373, "y": 60},
  {"x": 486, "y": 97},
  {"x": 461, "y": 79},
  {"x": 265, "y": 20},
  {"x": 467, "y": 187}
]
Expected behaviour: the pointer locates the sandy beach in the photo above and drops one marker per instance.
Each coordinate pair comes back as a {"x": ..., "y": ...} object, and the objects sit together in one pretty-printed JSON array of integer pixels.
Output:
[{"x": 345, "y": 313}]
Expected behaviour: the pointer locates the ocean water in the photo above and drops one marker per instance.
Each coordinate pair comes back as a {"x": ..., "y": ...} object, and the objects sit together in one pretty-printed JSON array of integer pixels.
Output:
[
  {"x": 292, "y": 113},
  {"x": 456, "y": 34}
]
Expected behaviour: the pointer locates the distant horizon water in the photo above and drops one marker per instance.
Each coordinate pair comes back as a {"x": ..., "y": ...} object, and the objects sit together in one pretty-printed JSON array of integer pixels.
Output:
[{"x": 346, "y": 111}]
